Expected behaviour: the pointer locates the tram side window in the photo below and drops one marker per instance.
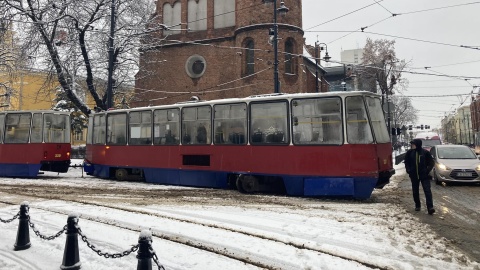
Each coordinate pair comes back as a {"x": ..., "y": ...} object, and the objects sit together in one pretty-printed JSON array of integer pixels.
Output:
[
  {"x": 117, "y": 128},
  {"x": 99, "y": 129},
  {"x": 358, "y": 126},
  {"x": 230, "y": 121},
  {"x": 269, "y": 123},
  {"x": 37, "y": 121},
  {"x": 17, "y": 127},
  {"x": 166, "y": 127},
  {"x": 2, "y": 127},
  {"x": 140, "y": 128},
  {"x": 377, "y": 118},
  {"x": 56, "y": 128},
  {"x": 196, "y": 125},
  {"x": 317, "y": 121},
  {"x": 90, "y": 130}
]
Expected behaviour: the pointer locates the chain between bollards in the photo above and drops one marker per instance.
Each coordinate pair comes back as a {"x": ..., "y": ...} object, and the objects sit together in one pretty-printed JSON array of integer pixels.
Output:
[
  {"x": 106, "y": 254},
  {"x": 71, "y": 258},
  {"x": 39, "y": 234},
  {"x": 10, "y": 220},
  {"x": 155, "y": 258}
]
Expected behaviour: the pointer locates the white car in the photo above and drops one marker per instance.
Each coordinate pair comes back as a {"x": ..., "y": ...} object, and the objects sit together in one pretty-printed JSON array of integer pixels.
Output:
[{"x": 455, "y": 163}]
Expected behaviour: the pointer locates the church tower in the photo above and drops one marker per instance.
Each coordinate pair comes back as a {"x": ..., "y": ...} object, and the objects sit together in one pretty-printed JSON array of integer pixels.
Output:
[{"x": 219, "y": 49}]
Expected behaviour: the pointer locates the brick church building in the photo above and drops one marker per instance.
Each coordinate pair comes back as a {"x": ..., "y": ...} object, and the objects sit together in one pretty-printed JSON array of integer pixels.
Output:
[{"x": 222, "y": 49}]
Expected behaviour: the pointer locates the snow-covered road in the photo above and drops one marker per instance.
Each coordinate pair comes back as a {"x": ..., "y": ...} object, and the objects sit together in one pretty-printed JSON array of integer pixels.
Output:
[{"x": 217, "y": 229}]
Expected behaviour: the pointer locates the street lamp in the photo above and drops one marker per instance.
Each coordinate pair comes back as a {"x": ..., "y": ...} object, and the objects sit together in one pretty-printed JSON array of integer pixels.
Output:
[
  {"x": 326, "y": 58},
  {"x": 282, "y": 10},
  {"x": 111, "y": 57}
]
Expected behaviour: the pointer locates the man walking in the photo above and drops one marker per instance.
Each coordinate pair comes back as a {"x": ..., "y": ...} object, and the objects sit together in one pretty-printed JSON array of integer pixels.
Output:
[{"x": 418, "y": 164}]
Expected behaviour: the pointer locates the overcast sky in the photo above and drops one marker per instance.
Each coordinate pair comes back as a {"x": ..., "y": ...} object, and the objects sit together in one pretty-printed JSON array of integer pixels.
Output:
[{"x": 452, "y": 23}]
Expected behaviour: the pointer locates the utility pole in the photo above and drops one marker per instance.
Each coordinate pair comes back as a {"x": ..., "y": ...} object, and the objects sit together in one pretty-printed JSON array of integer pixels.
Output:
[
  {"x": 110, "y": 57},
  {"x": 316, "y": 67}
]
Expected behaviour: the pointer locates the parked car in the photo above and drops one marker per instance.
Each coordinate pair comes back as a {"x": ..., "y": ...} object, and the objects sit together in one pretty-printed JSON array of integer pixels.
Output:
[{"x": 455, "y": 163}]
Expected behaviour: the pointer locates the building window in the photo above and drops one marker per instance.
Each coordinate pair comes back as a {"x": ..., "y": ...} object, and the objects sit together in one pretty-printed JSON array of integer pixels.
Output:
[
  {"x": 249, "y": 57},
  {"x": 223, "y": 13},
  {"x": 289, "y": 59},
  {"x": 197, "y": 15},
  {"x": 172, "y": 17},
  {"x": 78, "y": 136},
  {"x": 195, "y": 66}
]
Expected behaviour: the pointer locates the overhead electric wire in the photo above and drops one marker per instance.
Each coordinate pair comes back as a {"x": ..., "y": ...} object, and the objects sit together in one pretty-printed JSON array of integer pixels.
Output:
[
  {"x": 396, "y": 14},
  {"x": 454, "y": 64},
  {"x": 453, "y": 86},
  {"x": 431, "y": 9},
  {"x": 361, "y": 29},
  {"x": 436, "y": 95},
  {"x": 384, "y": 7},
  {"x": 421, "y": 40},
  {"x": 397, "y": 37},
  {"x": 342, "y": 15}
]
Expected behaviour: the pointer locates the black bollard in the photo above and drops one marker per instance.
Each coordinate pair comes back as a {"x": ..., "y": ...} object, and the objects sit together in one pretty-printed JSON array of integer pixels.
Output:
[
  {"x": 71, "y": 257},
  {"x": 23, "y": 234},
  {"x": 144, "y": 255}
]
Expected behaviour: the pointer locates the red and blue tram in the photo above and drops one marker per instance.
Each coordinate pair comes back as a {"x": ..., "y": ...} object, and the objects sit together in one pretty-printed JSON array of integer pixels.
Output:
[
  {"x": 309, "y": 144},
  {"x": 33, "y": 141}
]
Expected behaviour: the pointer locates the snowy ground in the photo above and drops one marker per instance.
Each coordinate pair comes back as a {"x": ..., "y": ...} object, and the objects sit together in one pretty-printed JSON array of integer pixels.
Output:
[{"x": 210, "y": 229}]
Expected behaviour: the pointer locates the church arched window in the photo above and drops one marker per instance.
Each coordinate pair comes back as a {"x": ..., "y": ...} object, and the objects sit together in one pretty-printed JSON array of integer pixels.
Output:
[
  {"x": 172, "y": 17},
  {"x": 249, "y": 60},
  {"x": 289, "y": 57}
]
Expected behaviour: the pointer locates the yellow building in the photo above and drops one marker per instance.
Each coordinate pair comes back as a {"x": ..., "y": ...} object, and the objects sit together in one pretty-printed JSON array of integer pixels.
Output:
[{"x": 28, "y": 90}]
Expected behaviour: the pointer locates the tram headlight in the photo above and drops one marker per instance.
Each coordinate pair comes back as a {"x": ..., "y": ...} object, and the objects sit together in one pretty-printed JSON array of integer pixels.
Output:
[{"x": 443, "y": 167}]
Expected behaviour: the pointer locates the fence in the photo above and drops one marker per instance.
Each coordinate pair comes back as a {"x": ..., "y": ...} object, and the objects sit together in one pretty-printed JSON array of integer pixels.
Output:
[{"x": 71, "y": 257}]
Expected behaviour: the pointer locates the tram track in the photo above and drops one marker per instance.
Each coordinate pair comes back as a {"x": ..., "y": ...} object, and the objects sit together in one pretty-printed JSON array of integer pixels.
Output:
[{"x": 248, "y": 258}]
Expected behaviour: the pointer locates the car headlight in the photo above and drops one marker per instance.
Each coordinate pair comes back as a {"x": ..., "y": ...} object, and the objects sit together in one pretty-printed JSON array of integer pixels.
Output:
[
  {"x": 443, "y": 167},
  {"x": 478, "y": 167}
]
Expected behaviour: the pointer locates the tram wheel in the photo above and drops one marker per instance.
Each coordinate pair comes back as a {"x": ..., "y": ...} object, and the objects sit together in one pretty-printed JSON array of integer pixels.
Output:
[
  {"x": 121, "y": 174},
  {"x": 247, "y": 184}
]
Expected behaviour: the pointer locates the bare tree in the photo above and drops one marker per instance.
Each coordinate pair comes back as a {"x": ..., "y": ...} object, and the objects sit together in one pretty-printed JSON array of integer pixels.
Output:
[
  {"x": 382, "y": 65},
  {"x": 69, "y": 38},
  {"x": 404, "y": 113},
  {"x": 10, "y": 56}
]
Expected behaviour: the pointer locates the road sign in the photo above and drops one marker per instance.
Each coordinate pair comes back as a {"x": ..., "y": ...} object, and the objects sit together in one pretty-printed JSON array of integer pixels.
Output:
[{"x": 386, "y": 106}]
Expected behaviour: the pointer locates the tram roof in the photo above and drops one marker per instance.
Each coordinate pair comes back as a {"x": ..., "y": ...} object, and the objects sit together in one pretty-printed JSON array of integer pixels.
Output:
[
  {"x": 36, "y": 111},
  {"x": 252, "y": 98}
]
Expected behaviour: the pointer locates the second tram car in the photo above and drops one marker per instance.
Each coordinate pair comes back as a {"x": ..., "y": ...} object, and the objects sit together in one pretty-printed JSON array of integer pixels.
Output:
[
  {"x": 429, "y": 139},
  {"x": 311, "y": 144},
  {"x": 33, "y": 141}
]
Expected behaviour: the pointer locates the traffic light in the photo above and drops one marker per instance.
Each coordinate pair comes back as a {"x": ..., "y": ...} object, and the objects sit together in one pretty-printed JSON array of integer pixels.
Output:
[
  {"x": 427, "y": 126},
  {"x": 399, "y": 131},
  {"x": 421, "y": 127},
  {"x": 410, "y": 127}
]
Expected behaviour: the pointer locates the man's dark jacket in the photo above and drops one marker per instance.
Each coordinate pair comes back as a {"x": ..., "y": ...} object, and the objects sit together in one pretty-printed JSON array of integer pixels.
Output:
[{"x": 418, "y": 162}]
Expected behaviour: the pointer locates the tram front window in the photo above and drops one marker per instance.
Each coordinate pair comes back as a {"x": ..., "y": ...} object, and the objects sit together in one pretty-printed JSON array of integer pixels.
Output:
[
  {"x": 358, "y": 126},
  {"x": 377, "y": 118},
  {"x": 56, "y": 128}
]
